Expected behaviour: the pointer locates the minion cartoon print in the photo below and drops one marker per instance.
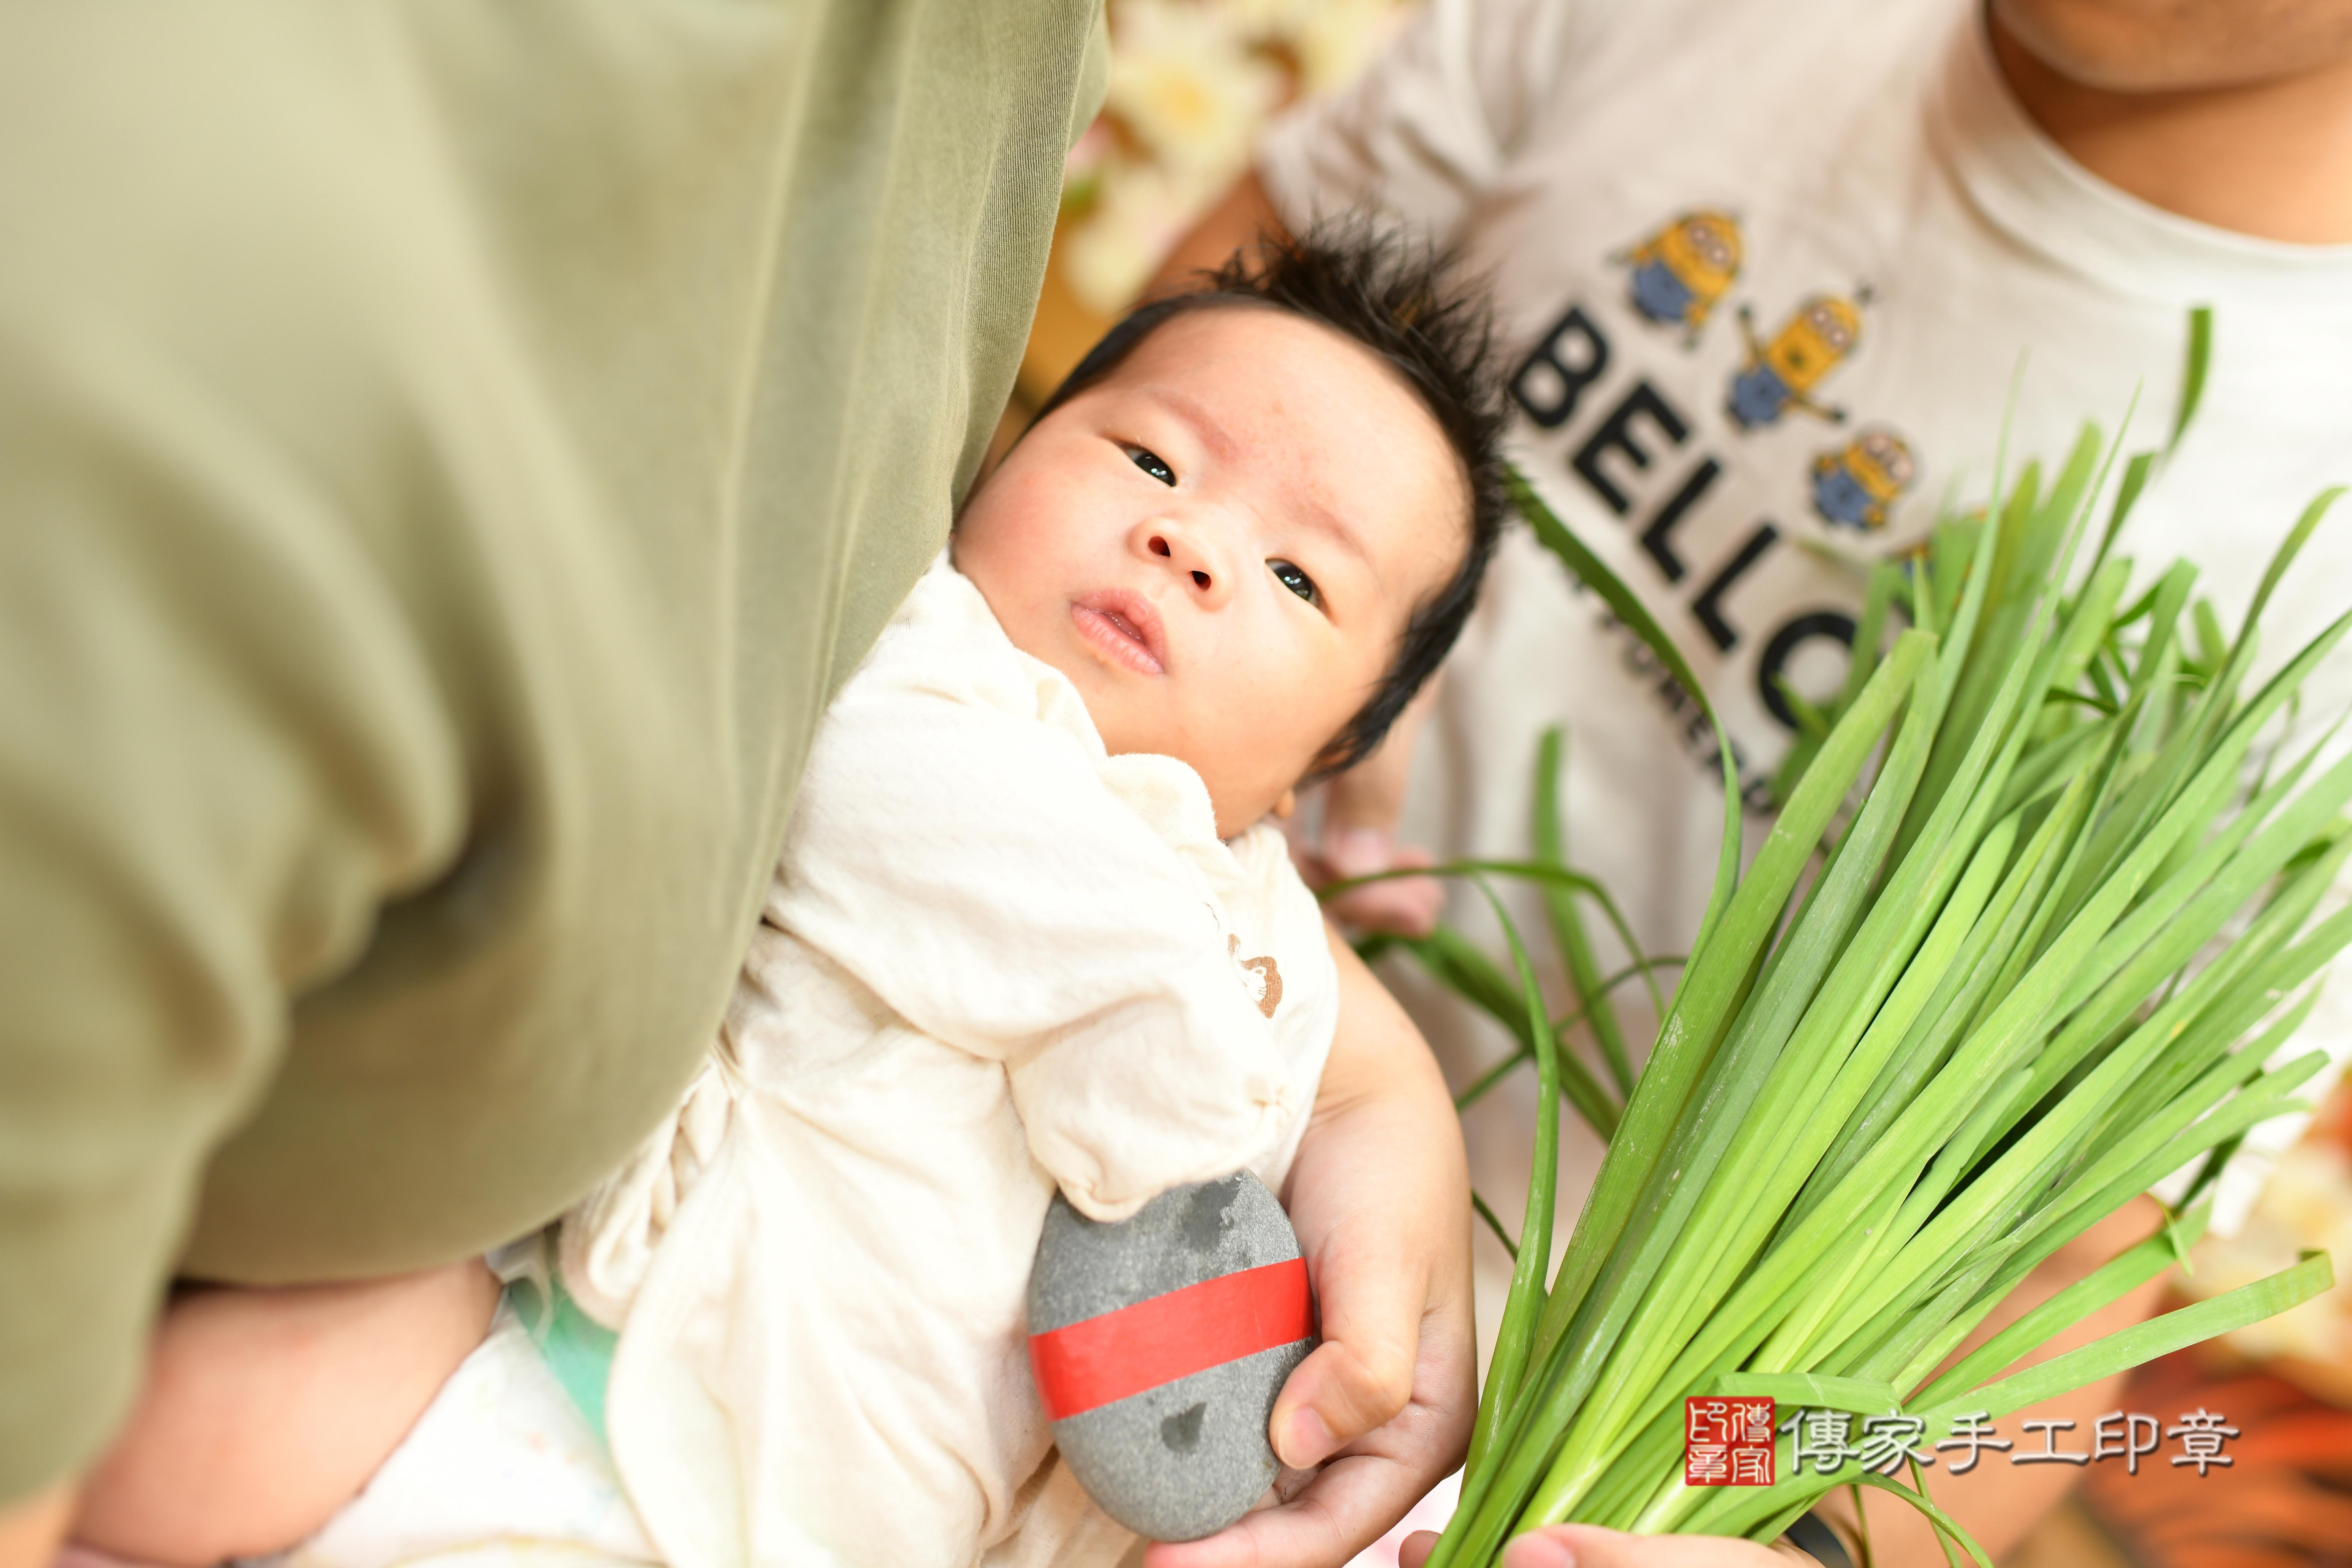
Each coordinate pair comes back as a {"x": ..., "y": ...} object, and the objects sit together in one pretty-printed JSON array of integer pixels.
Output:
[
  {"x": 1781, "y": 375},
  {"x": 1854, "y": 484},
  {"x": 1683, "y": 271}
]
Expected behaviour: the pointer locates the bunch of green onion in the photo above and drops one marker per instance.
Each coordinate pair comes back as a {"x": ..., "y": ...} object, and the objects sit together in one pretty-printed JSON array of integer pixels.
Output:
[{"x": 1956, "y": 1012}]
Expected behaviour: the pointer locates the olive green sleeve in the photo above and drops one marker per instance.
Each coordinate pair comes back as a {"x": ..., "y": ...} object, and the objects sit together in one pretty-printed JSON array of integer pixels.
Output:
[
  {"x": 219, "y": 749},
  {"x": 447, "y": 455}
]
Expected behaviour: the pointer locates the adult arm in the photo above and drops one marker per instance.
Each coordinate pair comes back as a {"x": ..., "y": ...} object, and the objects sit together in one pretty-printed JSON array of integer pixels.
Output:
[
  {"x": 31, "y": 1531},
  {"x": 1380, "y": 1194},
  {"x": 1242, "y": 218},
  {"x": 266, "y": 1411},
  {"x": 1418, "y": 136},
  {"x": 217, "y": 755}
]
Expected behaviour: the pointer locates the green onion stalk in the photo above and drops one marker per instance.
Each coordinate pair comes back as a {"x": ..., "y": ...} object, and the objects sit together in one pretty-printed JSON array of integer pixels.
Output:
[{"x": 2041, "y": 905}]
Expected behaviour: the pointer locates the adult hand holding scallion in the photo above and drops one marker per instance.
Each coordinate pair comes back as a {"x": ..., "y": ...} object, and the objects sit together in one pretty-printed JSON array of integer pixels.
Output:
[{"x": 1882, "y": 1095}]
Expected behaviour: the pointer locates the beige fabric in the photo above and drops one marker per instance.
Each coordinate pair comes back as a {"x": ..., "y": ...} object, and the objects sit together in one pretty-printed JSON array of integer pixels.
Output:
[
  {"x": 447, "y": 456},
  {"x": 995, "y": 959}
]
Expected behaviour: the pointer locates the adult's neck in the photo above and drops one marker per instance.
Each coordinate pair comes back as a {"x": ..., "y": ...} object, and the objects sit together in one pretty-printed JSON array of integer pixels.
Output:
[{"x": 2271, "y": 159}]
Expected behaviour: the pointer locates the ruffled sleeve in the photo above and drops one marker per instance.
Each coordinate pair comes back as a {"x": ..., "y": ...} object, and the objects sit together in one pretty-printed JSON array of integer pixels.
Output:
[{"x": 608, "y": 1238}]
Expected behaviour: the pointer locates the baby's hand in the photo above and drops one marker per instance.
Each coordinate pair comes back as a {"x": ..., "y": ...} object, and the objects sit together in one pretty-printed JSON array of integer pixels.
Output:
[
  {"x": 1380, "y": 1198},
  {"x": 1406, "y": 905}
]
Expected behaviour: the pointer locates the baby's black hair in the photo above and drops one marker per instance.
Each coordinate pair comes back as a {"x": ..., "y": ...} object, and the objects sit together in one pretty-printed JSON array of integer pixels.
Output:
[{"x": 1406, "y": 304}]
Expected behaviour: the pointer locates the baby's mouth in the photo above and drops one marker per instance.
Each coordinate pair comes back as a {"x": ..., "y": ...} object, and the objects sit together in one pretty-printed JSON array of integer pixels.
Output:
[{"x": 1123, "y": 629}]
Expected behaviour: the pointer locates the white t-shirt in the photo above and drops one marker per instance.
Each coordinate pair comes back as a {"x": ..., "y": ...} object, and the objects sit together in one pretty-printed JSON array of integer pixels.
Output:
[
  {"x": 1851, "y": 182},
  {"x": 995, "y": 959}
]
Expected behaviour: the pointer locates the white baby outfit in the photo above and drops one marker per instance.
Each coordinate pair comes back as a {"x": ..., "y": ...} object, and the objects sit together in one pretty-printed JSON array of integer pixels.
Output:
[{"x": 993, "y": 960}]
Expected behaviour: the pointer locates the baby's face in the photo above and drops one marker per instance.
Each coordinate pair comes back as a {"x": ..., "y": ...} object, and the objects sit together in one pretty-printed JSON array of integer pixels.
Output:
[{"x": 1221, "y": 543}]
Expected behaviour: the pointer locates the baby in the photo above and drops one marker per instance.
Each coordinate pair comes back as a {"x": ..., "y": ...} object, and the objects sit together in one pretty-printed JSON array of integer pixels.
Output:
[{"x": 1031, "y": 929}]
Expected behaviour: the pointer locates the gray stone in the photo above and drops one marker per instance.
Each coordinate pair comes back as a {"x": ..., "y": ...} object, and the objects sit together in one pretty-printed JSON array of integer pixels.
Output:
[
  {"x": 1186, "y": 1459},
  {"x": 1189, "y": 1457}
]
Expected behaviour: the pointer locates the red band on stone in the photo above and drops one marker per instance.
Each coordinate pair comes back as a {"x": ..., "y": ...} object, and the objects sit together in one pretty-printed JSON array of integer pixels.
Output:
[{"x": 1097, "y": 1360}]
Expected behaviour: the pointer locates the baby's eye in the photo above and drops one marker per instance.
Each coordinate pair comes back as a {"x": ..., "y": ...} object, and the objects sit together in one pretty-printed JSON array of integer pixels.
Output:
[
  {"x": 1292, "y": 578},
  {"x": 1151, "y": 464}
]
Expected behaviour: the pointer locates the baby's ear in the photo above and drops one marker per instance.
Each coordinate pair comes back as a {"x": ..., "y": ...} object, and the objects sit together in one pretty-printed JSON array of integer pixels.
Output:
[{"x": 1287, "y": 807}]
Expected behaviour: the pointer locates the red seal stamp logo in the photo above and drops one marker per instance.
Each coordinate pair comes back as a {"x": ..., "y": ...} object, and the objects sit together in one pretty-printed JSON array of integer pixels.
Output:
[{"x": 1726, "y": 1442}]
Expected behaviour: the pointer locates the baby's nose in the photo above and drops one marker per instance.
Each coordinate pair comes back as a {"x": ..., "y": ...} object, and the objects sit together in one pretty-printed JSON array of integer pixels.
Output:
[
  {"x": 1187, "y": 559},
  {"x": 1210, "y": 575}
]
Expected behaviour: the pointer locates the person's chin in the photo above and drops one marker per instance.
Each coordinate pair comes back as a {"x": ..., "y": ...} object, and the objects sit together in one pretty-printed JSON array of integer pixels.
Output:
[{"x": 2090, "y": 48}]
